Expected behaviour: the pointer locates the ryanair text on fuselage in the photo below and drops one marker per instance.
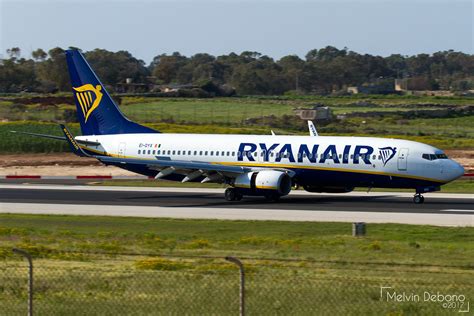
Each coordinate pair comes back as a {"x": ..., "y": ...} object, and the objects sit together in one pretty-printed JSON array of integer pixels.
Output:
[{"x": 350, "y": 154}]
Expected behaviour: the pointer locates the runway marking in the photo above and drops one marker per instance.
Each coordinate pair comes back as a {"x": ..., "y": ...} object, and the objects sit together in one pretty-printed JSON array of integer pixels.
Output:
[
  {"x": 239, "y": 214},
  {"x": 453, "y": 210}
]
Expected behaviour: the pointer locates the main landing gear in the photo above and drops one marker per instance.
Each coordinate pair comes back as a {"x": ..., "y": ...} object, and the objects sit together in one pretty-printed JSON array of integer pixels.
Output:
[
  {"x": 231, "y": 194},
  {"x": 418, "y": 198}
]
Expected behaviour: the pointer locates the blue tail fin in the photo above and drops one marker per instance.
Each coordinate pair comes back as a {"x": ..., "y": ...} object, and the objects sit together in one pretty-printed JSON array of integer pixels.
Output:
[{"x": 96, "y": 111}]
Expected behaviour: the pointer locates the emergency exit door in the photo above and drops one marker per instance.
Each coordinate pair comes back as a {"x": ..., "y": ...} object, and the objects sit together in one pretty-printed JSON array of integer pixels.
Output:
[{"x": 121, "y": 150}]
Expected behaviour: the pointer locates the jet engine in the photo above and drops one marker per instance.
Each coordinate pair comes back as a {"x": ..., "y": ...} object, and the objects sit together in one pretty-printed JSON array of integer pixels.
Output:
[{"x": 264, "y": 182}]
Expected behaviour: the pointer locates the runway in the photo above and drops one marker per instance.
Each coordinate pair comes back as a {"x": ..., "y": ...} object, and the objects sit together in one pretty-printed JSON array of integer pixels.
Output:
[{"x": 380, "y": 207}]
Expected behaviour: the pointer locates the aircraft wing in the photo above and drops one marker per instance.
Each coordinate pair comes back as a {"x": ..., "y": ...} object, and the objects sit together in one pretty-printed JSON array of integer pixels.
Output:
[
  {"x": 191, "y": 169},
  {"x": 212, "y": 172}
]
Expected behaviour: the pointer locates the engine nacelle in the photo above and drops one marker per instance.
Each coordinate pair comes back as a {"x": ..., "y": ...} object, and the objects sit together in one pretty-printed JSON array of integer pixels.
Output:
[
  {"x": 328, "y": 189},
  {"x": 261, "y": 182}
]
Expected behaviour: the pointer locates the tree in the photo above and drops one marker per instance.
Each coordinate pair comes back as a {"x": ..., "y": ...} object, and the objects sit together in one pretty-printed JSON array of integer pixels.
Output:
[
  {"x": 54, "y": 69},
  {"x": 39, "y": 55},
  {"x": 115, "y": 67},
  {"x": 167, "y": 67},
  {"x": 14, "y": 52}
]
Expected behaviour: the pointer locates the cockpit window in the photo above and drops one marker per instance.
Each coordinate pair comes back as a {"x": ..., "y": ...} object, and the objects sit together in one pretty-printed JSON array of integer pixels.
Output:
[
  {"x": 434, "y": 157},
  {"x": 429, "y": 156}
]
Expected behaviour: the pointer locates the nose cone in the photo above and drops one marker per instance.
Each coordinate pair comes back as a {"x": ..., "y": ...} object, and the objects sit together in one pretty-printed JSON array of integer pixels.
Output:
[{"x": 455, "y": 170}]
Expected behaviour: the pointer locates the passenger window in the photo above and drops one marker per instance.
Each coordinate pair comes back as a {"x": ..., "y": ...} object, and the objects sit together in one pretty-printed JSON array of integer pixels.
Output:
[
  {"x": 228, "y": 153},
  {"x": 158, "y": 152},
  {"x": 154, "y": 151},
  {"x": 223, "y": 153},
  {"x": 200, "y": 153},
  {"x": 205, "y": 153},
  {"x": 195, "y": 153},
  {"x": 217, "y": 153},
  {"x": 139, "y": 151},
  {"x": 233, "y": 153},
  {"x": 174, "y": 152},
  {"x": 212, "y": 153},
  {"x": 374, "y": 157},
  {"x": 149, "y": 151},
  {"x": 352, "y": 156}
]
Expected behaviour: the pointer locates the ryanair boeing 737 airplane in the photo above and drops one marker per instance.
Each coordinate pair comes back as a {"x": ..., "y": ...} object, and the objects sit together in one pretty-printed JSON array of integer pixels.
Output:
[{"x": 268, "y": 166}]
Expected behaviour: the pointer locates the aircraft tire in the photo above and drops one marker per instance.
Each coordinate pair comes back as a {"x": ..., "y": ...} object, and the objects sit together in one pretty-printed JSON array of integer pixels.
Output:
[
  {"x": 238, "y": 196},
  {"x": 418, "y": 199},
  {"x": 230, "y": 194}
]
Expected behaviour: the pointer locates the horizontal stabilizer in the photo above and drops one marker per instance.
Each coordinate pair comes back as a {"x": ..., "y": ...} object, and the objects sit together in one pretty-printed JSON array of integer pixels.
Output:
[{"x": 82, "y": 142}]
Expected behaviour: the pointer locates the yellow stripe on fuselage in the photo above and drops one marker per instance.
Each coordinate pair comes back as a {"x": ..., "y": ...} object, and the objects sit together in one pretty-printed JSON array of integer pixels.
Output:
[
  {"x": 273, "y": 165},
  {"x": 288, "y": 166}
]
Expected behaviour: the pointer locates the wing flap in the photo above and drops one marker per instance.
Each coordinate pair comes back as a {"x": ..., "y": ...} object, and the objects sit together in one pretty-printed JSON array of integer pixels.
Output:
[{"x": 177, "y": 164}]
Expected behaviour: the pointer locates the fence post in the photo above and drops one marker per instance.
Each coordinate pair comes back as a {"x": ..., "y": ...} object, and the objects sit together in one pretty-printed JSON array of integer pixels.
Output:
[
  {"x": 30, "y": 278},
  {"x": 242, "y": 282}
]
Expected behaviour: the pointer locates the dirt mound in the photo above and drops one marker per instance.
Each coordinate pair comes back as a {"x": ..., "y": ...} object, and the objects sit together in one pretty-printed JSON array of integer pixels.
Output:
[{"x": 51, "y": 100}]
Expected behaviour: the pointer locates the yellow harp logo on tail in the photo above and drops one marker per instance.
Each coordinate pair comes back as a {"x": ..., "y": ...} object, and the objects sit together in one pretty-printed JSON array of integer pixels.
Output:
[{"x": 88, "y": 98}]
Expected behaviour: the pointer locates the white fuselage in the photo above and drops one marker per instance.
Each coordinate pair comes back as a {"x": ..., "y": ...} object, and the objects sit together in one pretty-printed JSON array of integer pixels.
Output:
[{"x": 355, "y": 155}]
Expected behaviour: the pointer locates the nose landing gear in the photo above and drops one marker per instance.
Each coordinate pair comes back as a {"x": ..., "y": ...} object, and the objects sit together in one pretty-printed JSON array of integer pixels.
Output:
[{"x": 418, "y": 198}]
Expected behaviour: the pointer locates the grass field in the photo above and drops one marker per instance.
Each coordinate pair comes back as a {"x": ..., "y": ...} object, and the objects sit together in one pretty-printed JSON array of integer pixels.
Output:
[
  {"x": 43, "y": 235},
  {"x": 178, "y": 266},
  {"x": 254, "y": 115},
  {"x": 229, "y": 111},
  {"x": 443, "y": 135}
]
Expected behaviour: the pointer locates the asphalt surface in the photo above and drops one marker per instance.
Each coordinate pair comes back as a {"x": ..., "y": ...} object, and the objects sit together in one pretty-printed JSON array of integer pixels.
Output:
[{"x": 193, "y": 198}]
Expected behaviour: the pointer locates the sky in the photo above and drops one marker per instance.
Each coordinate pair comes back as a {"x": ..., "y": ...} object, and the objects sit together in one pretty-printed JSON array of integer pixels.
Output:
[{"x": 148, "y": 28}]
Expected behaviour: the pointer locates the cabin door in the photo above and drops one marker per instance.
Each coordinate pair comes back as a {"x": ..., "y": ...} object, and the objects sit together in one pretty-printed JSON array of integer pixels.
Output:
[
  {"x": 403, "y": 159},
  {"x": 121, "y": 150}
]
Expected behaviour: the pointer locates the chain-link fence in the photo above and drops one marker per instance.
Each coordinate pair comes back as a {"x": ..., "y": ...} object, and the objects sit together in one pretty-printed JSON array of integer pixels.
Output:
[{"x": 136, "y": 285}]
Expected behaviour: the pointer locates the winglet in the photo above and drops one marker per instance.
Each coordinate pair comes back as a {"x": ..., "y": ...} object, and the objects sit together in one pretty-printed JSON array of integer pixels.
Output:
[
  {"x": 312, "y": 129},
  {"x": 72, "y": 142}
]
